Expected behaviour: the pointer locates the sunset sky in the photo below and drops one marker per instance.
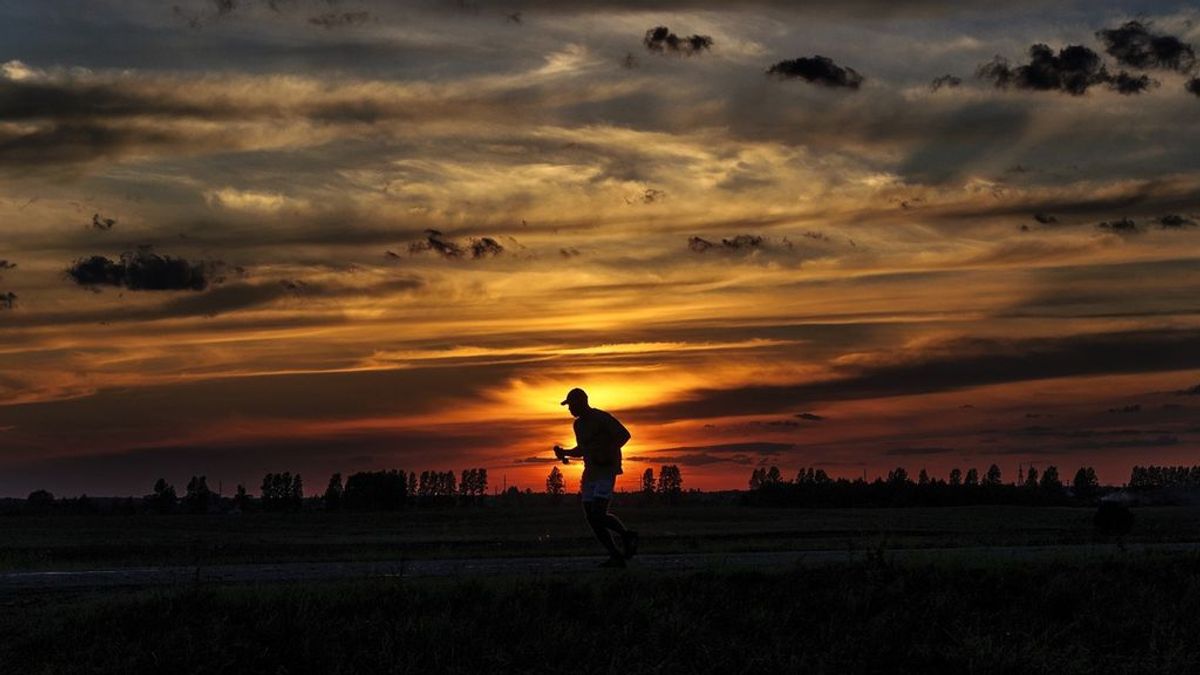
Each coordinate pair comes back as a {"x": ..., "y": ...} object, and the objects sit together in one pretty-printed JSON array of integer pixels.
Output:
[{"x": 400, "y": 232}]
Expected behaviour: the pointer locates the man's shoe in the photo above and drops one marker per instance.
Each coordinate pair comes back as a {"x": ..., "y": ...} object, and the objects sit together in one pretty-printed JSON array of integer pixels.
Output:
[
  {"x": 613, "y": 562},
  {"x": 631, "y": 543}
]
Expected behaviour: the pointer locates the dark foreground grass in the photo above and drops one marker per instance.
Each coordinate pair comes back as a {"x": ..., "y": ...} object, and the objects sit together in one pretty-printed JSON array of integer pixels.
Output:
[
  {"x": 64, "y": 542},
  {"x": 1131, "y": 615}
]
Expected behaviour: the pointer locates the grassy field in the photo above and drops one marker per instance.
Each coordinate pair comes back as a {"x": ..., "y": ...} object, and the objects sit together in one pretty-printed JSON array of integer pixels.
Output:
[
  {"x": 1131, "y": 614},
  {"x": 28, "y": 542}
]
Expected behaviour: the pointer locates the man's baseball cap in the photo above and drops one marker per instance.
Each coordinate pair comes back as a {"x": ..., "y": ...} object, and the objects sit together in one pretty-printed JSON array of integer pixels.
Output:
[{"x": 576, "y": 395}]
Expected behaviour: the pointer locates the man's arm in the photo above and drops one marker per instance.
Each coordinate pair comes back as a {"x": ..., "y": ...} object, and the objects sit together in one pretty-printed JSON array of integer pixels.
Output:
[
  {"x": 570, "y": 452},
  {"x": 620, "y": 435}
]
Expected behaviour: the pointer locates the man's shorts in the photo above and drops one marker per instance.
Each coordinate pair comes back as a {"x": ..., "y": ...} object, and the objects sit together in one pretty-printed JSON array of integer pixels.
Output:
[{"x": 600, "y": 487}]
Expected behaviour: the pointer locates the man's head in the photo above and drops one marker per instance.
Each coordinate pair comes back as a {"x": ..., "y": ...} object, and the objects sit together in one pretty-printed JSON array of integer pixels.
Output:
[{"x": 576, "y": 401}]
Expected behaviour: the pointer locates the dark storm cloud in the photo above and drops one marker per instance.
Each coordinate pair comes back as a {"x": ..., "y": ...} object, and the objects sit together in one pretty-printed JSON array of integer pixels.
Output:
[
  {"x": 226, "y": 299},
  {"x": 1135, "y": 44},
  {"x": 1073, "y": 70},
  {"x": 1124, "y": 83},
  {"x": 336, "y": 394},
  {"x": 476, "y": 248},
  {"x": 78, "y": 143},
  {"x": 436, "y": 242},
  {"x": 134, "y": 470},
  {"x": 917, "y": 452},
  {"x": 73, "y": 100},
  {"x": 141, "y": 270},
  {"x": 817, "y": 70},
  {"x": 485, "y": 247},
  {"x": 541, "y": 460},
  {"x": 8, "y": 300},
  {"x": 945, "y": 81},
  {"x": 694, "y": 459},
  {"x": 660, "y": 39},
  {"x": 953, "y": 365},
  {"x": 741, "y": 242},
  {"x": 1174, "y": 221},
  {"x": 752, "y": 447},
  {"x": 1120, "y": 226},
  {"x": 868, "y": 8},
  {"x": 338, "y": 19},
  {"x": 1157, "y": 194}
]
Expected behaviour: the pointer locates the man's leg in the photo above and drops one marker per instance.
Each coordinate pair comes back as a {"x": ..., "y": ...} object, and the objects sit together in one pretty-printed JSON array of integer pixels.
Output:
[
  {"x": 629, "y": 538},
  {"x": 595, "y": 510}
]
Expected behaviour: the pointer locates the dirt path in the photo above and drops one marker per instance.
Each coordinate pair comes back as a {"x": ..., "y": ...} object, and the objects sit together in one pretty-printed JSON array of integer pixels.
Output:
[{"x": 75, "y": 580}]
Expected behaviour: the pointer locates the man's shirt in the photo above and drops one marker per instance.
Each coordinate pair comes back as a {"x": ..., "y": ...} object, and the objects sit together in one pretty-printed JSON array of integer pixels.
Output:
[{"x": 599, "y": 437}]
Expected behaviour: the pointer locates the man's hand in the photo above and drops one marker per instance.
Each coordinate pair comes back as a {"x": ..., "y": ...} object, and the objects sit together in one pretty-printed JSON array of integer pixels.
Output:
[{"x": 558, "y": 452}]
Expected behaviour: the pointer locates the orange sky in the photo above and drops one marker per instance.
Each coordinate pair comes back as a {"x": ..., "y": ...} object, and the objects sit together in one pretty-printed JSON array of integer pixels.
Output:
[{"x": 747, "y": 269}]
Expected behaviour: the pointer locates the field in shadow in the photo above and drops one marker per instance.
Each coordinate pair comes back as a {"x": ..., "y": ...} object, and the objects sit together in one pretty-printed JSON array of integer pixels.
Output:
[
  {"x": 1130, "y": 614},
  {"x": 65, "y": 542}
]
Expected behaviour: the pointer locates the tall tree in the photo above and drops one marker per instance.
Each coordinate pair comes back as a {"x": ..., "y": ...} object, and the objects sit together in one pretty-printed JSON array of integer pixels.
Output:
[
  {"x": 670, "y": 482},
  {"x": 993, "y": 476},
  {"x": 1085, "y": 485},
  {"x": 333, "y": 493},
  {"x": 556, "y": 487},
  {"x": 972, "y": 477},
  {"x": 773, "y": 477},
  {"x": 648, "y": 481},
  {"x": 956, "y": 477},
  {"x": 1031, "y": 478},
  {"x": 164, "y": 498},
  {"x": 197, "y": 498},
  {"x": 1050, "y": 480}
]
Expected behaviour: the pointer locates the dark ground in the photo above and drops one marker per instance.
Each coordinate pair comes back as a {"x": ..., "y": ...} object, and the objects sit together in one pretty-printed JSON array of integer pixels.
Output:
[
  {"x": 1132, "y": 613},
  {"x": 719, "y": 589},
  {"x": 88, "y": 542}
]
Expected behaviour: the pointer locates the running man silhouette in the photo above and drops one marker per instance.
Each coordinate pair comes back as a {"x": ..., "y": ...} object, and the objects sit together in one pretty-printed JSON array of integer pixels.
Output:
[{"x": 598, "y": 440}]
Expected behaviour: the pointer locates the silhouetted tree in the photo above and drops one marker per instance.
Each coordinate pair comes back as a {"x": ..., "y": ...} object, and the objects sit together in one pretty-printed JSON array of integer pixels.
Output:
[
  {"x": 375, "y": 491},
  {"x": 39, "y": 501},
  {"x": 993, "y": 476},
  {"x": 333, "y": 493},
  {"x": 556, "y": 487},
  {"x": 412, "y": 485},
  {"x": 923, "y": 478},
  {"x": 757, "y": 477},
  {"x": 282, "y": 492},
  {"x": 1155, "y": 477},
  {"x": 1085, "y": 485},
  {"x": 473, "y": 485},
  {"x": 898, "y": 475},
  {"x": 241, "y": 499},
  {"x": 972, "y": 477},
  {"x": 955, "y": 477},
  {"x": 163, "y": 499},
  {"x": 198, "y": 497},
  {"x": 670, "y": 482},
  {"x": 1031, "y": 478},
  {"x": 774, "y": 477},
  {"x": 648, "y": 482},
  {"x": 1050, "y": 480}
]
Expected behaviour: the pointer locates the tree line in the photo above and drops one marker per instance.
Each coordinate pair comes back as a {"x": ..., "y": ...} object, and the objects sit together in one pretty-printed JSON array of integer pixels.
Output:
[
  {"x": 668, "y": 487},
  {"x": 814, "y": 487}
]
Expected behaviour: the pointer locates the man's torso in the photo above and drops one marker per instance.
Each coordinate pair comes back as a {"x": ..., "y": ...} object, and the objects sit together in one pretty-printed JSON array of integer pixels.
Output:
[{"x": 595, "y": 427}]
